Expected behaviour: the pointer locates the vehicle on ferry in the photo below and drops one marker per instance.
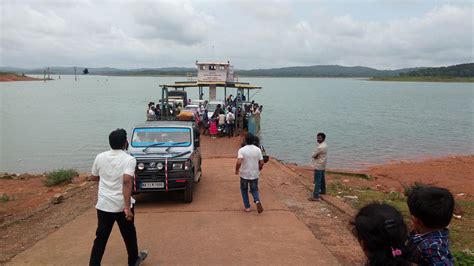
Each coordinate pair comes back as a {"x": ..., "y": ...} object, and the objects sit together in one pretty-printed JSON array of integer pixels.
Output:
[
  {"x": 211, "y": 107},
  {"x": 168, "y": 157}
]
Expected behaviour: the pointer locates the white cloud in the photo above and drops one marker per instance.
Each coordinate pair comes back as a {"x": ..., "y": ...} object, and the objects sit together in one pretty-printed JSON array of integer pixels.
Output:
[{"x": 252, "y": 35}]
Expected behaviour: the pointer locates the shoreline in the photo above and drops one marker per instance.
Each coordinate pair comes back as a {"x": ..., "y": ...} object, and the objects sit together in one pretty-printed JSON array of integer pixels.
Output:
[
  {"x": 10, "y": 77},
  {"x": 367, "y": 166},
  {"x": 453, "y": 172},
  {"x": 424, "y": 79}
]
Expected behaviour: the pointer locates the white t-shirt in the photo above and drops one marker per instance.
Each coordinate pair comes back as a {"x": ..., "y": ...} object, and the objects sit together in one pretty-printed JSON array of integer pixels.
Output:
[
  {"x": 221, "y": 119},
  {"x": 110, "y": 166},
  {"x": 230, "y": 118},
  {"x": 250, "y": 155}
]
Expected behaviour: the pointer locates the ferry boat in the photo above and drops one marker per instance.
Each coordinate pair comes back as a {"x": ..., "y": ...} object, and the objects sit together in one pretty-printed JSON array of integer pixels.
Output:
[{"x": 214, "y": 76}]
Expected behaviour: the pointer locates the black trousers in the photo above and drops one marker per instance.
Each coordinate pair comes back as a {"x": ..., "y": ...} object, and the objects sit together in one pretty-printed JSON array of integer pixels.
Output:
[{"x": 105, "y": 224}]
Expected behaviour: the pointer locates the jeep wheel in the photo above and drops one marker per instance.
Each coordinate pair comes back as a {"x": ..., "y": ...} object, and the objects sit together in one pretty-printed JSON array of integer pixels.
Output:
[
  {"x": 188, "y": 192},
  {"x": 199, "y": 174}
]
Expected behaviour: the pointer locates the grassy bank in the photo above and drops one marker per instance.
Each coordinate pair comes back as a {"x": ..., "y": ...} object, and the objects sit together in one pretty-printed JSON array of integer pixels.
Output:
[
  {"x": 425, "y": 79},
  {"x": 461, "y": 229}
]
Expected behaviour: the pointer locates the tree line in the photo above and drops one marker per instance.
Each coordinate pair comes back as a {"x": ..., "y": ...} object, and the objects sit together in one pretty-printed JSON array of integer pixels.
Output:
[{"x": 462, "y": 70}]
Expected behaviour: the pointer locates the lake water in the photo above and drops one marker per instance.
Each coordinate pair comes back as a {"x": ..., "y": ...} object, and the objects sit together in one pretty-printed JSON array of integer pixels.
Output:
[{"x": 63, "y": 123}]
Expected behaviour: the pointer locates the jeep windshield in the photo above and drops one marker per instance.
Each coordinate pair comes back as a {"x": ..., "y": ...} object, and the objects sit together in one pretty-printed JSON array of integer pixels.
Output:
[{"x": 161, "y": 137}]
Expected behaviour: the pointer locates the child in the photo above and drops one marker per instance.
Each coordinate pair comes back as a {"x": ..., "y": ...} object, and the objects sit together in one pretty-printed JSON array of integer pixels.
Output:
[
  {"x": 382, "y": 233},
  {"x": 431, "y": 209}
]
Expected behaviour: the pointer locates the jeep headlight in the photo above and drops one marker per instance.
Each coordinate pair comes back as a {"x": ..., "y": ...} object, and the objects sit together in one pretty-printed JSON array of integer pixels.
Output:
[
  {"x": 187, "y": 165},
  {"x": 160, "y": 166},
  {"x": 177, "y": 166},
  {"x": 141, "y": 166}
]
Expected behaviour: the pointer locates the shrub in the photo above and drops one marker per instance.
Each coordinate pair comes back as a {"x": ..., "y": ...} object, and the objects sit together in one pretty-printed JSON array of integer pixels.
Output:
[
  {"x": 58, "y": 176},
  {"x": 463, "y": 258},
  {"x": 5, "y": 198}
]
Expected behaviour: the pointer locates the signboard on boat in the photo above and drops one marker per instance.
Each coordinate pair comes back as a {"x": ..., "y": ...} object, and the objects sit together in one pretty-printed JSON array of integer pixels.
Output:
[{"x": 212, "y": 72}]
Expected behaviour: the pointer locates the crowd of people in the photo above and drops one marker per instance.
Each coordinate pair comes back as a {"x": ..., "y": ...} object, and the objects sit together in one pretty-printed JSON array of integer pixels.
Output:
[{"x": 226, "y": 118}]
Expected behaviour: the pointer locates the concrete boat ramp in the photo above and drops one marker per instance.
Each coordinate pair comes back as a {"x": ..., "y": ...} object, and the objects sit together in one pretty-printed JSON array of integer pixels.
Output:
[{"x": 212, "y": 230}]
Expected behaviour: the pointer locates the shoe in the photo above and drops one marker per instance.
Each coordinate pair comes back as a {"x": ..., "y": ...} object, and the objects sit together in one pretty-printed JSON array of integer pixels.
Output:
[
  {"x": 247, "y": 210},
  {"x": 259, "y": 207},
  {"x": 141, "y": 257},
  {"x": 314, "y": 199}
]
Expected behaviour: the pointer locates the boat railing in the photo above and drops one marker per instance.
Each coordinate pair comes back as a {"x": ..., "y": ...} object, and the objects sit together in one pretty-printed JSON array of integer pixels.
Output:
[{"x": 191, "y": 76}]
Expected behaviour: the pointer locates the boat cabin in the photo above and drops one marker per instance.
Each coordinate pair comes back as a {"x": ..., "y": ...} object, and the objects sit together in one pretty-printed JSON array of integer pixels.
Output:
[{"x": 214, "y": 72}]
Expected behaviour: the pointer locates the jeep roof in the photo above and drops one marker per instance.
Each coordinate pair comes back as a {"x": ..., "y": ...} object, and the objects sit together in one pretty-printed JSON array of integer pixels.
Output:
[{"x": 166, "y": 124}]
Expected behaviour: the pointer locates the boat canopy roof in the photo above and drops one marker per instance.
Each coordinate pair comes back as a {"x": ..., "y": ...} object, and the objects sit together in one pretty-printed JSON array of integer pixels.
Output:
[
  {"x": 212, "y": 63},
  {"x": 197, "y": 84}
]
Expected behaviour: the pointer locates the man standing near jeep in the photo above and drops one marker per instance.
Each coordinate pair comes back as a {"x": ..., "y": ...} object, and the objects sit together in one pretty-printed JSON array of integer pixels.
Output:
[
  {"x": 114, "y": 169},
  {"x": 249, "y": 163},
  {"x": 319, "y": 159}
]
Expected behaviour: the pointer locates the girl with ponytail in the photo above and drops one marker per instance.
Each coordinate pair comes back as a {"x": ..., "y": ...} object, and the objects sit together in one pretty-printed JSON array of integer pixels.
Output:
[{"x": 382, "y": 233}]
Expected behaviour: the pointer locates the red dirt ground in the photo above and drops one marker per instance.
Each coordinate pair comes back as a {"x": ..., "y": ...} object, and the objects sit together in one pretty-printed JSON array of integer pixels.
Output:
[
  {"x": 454, "y": 173},
  {"x": 26, "y": 193},
  {"x": 15, "y": 77}
]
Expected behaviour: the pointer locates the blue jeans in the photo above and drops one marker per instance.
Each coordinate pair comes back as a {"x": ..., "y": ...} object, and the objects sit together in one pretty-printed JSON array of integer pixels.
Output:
[
  {"x": 319, "y": 183},
  {"x": 244, "y": 188}
]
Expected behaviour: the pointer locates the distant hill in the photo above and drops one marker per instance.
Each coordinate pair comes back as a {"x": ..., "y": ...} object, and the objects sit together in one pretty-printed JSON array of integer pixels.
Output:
[
  {"x": 462, "y": 70},
  {"x": 322, "y": 71}
]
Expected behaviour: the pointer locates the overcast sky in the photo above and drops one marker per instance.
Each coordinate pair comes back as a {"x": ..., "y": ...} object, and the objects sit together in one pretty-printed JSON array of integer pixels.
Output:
[{"x": 384, "y": 34}]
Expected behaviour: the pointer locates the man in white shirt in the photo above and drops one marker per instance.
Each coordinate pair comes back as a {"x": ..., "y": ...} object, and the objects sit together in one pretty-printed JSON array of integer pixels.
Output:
[
  {"x": 230, "y": 122},
  {"x": 114, "y": 169},
  {"x": 249, "y": 163},
  {"x": 319, "y": 160}
]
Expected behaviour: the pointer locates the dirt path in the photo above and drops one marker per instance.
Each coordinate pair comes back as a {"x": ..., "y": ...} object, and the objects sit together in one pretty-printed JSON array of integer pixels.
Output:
[
  {"x": 291, "y": 229},
  {"x": 212, "y": 230}
]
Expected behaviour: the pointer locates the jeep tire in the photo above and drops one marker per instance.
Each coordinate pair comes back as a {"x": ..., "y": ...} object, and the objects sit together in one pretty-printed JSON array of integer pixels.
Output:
[{"x": 188, "y": 192}]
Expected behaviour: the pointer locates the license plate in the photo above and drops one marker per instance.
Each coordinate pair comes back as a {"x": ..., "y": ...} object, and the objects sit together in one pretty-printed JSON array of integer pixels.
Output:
[{"x": 153, "y": 185}]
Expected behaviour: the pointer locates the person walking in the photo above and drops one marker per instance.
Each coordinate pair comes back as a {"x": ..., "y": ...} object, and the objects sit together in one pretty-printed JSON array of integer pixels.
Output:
[
  {"x": 114, "y": 169},
  {"x": 230, "y": 122},
  {"x": 248, "y": 166},
  {"x": 319, "y": 160}
]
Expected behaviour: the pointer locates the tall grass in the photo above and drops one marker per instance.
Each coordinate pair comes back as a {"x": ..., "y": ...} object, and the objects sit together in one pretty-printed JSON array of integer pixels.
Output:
[{"x": 58, "y": 176}]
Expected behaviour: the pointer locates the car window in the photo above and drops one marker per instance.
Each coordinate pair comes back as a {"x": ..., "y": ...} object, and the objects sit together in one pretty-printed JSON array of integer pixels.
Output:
[{"x": 167, "y": 136}]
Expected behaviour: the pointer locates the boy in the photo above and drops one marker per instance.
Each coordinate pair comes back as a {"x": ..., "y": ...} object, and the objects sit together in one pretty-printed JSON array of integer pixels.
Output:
[{"x": 431, "y": 209}]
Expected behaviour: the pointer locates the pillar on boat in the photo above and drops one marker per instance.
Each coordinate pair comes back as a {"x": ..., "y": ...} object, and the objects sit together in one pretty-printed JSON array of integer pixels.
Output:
[
  {"x": 164, "y": 103},
  {"x": 212, "y": 92}
]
